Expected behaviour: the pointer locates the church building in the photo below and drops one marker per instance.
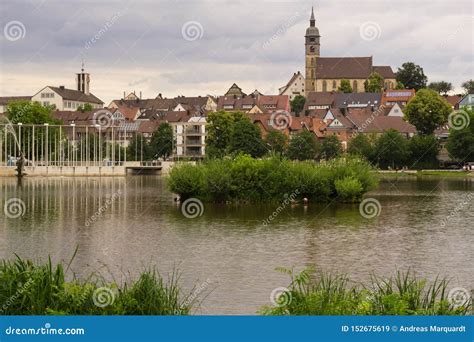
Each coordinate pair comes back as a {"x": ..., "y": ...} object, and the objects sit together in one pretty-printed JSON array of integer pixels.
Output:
[{"x": 326, "y": 73}]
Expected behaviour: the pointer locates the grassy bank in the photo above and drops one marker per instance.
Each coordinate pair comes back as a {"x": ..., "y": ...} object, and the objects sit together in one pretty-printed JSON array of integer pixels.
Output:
[
  {"x": 311, "y": 293},
  {"x": 439, "y": 173},
  {"x": 27, "y": 288},
  {"x": 244, "y": 179}
]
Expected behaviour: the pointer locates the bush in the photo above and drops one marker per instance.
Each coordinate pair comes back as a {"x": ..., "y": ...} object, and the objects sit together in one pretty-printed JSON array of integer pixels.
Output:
[
  {"x": 348, "y": 189},
  {"x": 244, "y": 179},
  {"x": 187, "y": 180}
]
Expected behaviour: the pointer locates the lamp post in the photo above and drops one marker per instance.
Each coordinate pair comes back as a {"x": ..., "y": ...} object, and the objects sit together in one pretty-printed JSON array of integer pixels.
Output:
[{"x": 46, "y": 148}]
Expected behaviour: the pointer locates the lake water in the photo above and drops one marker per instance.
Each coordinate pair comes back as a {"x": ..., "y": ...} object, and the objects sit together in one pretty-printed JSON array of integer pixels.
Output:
[{"x": 121, "y": 225}]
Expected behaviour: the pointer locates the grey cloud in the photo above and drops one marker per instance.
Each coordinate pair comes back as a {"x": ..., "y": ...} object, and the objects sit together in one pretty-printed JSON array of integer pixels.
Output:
[{"x": 254, "y": 42}]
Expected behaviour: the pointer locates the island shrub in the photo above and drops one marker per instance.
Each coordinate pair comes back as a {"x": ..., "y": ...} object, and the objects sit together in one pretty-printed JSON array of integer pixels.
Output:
[
  {"x": 245, "y": 179},
  {"x": 187, "y": 180},
  {"x": 349, "y": 189}
]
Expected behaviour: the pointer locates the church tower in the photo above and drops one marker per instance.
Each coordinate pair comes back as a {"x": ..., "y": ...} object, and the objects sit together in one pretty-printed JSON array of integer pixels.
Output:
[
  {"x": 82, "y": 81},
  {"x": 312, "y": 51}
]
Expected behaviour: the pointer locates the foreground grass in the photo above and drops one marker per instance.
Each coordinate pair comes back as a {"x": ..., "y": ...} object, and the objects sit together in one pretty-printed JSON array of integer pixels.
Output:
[
  {"x": 311, "y": 293},
  {"x": 244, "y": 179},
  {"x": 27, "y": 288}
]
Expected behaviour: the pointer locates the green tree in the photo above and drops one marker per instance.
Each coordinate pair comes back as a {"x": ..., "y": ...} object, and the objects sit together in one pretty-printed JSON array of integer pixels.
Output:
[
  {"x": 246, "y": 138},
  {"x": 297, "y": 104},
  {"x": 345, "y": 87},
  {"x": 468, "y": 86},
  {"x": 138, "y": 149},
  {"x": 391, "y": 150},
  {"x": 427, "y": 111},
  {"x": 86, "y": 107},
  {"x": 276, "y": 141},
  {"x": 424, "y": 151},
  {"x": 460, "y": 143},
  {"x": 331, "y": 147},
  {"x": 26, "y": 112},
  {"x": 360, "y": 145},
  {"x": 161, "y": 144},
  {"x": 399, "y": 86},
  {"x": 219, "y": 132},
  {"x": 30, "y": 113},
  {"x": 303, "y": 146},
  {"x": 374, "y": 84},
  {"x": 441, "y": 87},
  {"x": 412, "y": 76}
]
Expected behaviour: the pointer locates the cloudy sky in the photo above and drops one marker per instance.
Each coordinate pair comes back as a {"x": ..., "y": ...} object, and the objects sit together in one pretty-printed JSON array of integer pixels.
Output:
[{"x": 201, "y": 47}]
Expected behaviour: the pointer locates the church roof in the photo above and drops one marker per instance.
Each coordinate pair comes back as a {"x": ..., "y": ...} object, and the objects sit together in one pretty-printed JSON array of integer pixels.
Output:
[
  {"x": 385, "y": 71},
  {"x": 343, "y": 67},
  {"x": 76, "y": 95},
  {"x": 349, "y": 68}
]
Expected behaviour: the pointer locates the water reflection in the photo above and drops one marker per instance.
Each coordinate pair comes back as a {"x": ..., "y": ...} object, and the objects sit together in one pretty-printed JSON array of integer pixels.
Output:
[{"x": 137, "y": 223}]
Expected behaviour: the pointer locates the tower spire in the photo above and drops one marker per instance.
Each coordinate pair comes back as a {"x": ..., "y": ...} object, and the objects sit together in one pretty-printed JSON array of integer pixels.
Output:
[{"x": 312, "y": 20}]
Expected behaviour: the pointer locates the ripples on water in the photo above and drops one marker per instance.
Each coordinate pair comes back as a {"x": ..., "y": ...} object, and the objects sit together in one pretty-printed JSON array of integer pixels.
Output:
[{"x": 229, "y": 247}]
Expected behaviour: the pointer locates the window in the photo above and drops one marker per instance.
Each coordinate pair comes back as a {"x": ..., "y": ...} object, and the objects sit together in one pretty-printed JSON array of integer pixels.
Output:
[
  {"x": 354, "y": 86},
  {"x": 325, "y": 86},
  {"x": 45, "y": 103},
  {"x": 334, "y": 85}
]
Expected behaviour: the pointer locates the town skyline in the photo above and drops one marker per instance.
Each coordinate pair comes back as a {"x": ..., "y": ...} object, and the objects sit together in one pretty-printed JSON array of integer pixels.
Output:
[{"x": 202, "y": 53}]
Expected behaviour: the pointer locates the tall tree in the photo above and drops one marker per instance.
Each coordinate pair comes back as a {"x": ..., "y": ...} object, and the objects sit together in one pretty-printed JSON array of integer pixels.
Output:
[
  {"x": 219, "y": 131},
  {"x": 30, "y": 113},
  {"x": 427, "y": 111},
  {"x": 297, "y": 104},
  {"x": 399, "y": 86},
  {"x": 360, "y": 145},
  {"x": 441, "y": 87},
  {"x": 345, "y": 86},
  {"x": 374, "y": 84},
  {"x": 303, "y": 146},
  {"x": 468, "y": 86},
  {"x": 86, "y": 107},
  {"x": 391, "y": 150},
  {"x": 138, "y": 149},
  {"x": 460, "y": 143},
  {"x": 331, "y": 147},
  {"x": 246, "y": 138},
  {"x": 424, "y": 151},
  {"x": 276, "y": 141},
  {"x": 412, "y": 76},
  {"x": 161, "y": 144}
]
